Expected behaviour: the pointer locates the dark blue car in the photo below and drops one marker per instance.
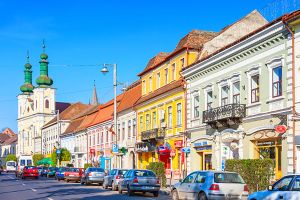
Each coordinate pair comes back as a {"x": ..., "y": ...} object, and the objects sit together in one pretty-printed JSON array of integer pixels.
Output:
[{"x": 60, "y": 173}]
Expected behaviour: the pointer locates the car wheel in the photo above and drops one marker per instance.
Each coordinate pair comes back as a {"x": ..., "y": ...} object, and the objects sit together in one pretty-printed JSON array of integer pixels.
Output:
[
  {"x": 202, "y": 196},
  {"x": 129, "y": 192},
  {"x": 120, "y": 190},
  {"x": 113, "y": 186},
  {"x": 155, "y": 194},
  {"x": 175, "y": 195}
]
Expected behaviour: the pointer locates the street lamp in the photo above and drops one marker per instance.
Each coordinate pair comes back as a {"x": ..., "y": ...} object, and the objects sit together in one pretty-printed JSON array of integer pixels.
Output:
[{"x": 105, "y": 70}]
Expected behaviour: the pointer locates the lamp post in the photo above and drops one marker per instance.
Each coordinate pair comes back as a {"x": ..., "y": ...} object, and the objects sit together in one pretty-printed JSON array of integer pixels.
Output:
[{"x": 105, "y": 70}]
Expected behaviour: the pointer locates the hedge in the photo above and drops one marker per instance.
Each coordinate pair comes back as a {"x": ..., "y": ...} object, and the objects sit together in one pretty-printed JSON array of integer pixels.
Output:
[
  {"x": 86, "y": 165},
  {"x": 159, "y": 169},
  {"x": 257, "y": 173}
]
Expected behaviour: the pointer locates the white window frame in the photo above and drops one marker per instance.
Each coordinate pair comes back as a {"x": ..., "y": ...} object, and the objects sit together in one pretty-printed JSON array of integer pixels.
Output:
[
  {"x": 206, "y": 90},
  {"x": 158, "y": 80},
  {"x": 166, "y": 72},
  {"x": 170, "y": 119},
  {"x": 173, "y": 68},
  {"x": 221, "y": 84},
  {"x": 271, "y": 64},
  {"x": 234, "y": 79},
  {"x": 255, "y": 70},
  {"x": 150, "y": 84},
  {"x": 194, "y": 95}
]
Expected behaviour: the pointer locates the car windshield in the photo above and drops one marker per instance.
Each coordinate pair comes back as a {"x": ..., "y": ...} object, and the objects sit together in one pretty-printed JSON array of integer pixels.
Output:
[
  {"x": 228, "y": 178},
  {"x": 74, "y": 170},
  {"x": 122, "y": 172},
  {"x": 10, "y": 164},
  {"x": 96, "y": 170},
  {"x": 29, "y": 162},
  {"x": 29, "y": 167},
  {"x": 142, "y": 173}
]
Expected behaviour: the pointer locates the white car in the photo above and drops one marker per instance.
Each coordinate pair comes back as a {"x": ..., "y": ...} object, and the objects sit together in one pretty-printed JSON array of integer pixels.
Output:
[{"x": 287, "y": 187}]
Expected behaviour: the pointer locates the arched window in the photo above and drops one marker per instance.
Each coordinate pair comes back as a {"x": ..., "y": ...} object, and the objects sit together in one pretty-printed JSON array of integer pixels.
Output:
[{"x": 46, "y": 103}]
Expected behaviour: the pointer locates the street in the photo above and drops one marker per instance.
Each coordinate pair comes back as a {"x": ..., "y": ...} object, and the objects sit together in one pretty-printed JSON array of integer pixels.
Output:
[{"x": 50, "y": 189}]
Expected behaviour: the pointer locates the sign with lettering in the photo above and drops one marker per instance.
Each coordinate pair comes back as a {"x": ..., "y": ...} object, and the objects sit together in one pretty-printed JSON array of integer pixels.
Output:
[
  {"x": 115, "y": 148},
  {"x": 178, "y": 143},
  {"x": 144, "y": 147}
]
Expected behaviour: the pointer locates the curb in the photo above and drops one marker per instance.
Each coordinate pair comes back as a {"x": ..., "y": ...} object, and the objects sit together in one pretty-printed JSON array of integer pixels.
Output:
[{"x": 165, "y": 191}]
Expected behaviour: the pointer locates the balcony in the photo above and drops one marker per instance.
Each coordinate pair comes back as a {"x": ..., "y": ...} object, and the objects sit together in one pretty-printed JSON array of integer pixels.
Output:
[
  {"x": 156, "y": 133},
  {"x": 224, "y": 116}
]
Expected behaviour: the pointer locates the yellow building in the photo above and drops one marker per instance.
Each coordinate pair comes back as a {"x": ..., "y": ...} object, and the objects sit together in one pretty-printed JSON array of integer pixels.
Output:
[{"x": 161, "y": 109}]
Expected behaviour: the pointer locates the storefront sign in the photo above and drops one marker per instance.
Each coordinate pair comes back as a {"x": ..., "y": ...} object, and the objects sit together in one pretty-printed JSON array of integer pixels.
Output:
[
  {"x": 201, "y": 146},
  {"x": 280, "y": 129},
  {"x": 265, "y": 143},
  {"x": 186, "y": 150},
  {"x": 178, "y": 143},
  {"x": 144, "y": 147},
  {"x": 92, "y": 151}
]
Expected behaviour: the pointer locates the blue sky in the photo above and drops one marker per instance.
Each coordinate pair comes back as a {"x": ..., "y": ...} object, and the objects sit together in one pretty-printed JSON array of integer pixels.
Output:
[{"x": 90, "y": 32}]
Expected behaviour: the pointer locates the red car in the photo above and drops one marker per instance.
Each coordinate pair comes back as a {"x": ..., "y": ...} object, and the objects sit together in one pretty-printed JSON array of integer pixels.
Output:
[
  {"x": 30, "y": 171},
  {"x": 74, "y": 174}
]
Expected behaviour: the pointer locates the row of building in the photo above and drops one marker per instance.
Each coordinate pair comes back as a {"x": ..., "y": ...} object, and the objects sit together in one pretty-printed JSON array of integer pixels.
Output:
[
  {"x": 232, "y": 94},
  {"x": 8, "y": 144}
]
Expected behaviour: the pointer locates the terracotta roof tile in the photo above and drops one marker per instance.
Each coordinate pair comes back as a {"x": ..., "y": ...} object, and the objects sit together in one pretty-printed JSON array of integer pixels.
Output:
[
  {"x": 3, "y": 138},
  {"x": 8, "y": 132},
  {"x": 162, "y": 90},
  {"x": 130, "y": 97},
  {"x": 13, "y": 139},
  {"x": 73, "y": 126}
]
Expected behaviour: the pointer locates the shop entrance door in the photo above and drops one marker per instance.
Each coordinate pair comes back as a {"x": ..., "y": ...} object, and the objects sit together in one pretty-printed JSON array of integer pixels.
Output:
[
  {"x": 271, "y": 149},
  {"x": 205, "y": 161}
]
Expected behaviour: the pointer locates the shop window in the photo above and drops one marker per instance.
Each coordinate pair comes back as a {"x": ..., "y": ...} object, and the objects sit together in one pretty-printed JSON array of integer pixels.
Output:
[
  {"x": 209, "y": 100},
  {"x": 196, "y": 106},
  {"x": 277, "y": 82},
  {"x": 224, "y": 95},
  {"x": 255, "y": 88},
  {"x": 154, "y": 119},
  {"x": 179, "y": 115},
  {"x": 170, "y": 117}
]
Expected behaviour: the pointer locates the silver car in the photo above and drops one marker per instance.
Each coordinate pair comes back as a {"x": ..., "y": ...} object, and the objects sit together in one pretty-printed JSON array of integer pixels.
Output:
[
  {"x": 139, "y": 181},
  {"x": 211, "y": 185},
  {"x": 113, "y": 178},
  {"x": 93, "y": 175}
]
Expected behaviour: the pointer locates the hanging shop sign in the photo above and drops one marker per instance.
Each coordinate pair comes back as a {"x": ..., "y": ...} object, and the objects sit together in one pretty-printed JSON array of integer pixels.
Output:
[
  {"x": 280, "y": 129},
  {"x": 186, "y": 149},
  {"x": 92, "y": 151},
  {"x": 144, "y": 147},
  {"x": 163, "y": 150},
  {"x": 178, "y": 143}
]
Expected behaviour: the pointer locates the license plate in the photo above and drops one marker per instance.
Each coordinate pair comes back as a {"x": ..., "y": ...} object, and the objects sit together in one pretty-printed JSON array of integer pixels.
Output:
[
  {"x": 71, "y": 175},
  {"x": 147, "y": 187}
]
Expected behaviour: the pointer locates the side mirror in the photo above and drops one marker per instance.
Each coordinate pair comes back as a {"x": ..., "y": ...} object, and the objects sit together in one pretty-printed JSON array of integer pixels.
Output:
[{"x": 270, "y": 187}]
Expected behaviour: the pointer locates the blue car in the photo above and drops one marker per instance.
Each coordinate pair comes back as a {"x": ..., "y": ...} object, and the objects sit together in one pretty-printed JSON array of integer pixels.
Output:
[{"x": 60, "y": 173}]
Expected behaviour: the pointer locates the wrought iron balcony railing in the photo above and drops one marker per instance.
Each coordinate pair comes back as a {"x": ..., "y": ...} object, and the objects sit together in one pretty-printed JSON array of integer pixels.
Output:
[
  {"x": 224, "y": 114},
  {"x": 156, "y": 133}
]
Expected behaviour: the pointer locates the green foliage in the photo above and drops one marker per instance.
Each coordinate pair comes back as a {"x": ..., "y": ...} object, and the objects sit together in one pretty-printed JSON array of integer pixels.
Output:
[
  {"x": 65, "y": 155},
  {"x": 36, "y": 158},
  {"x": 159, "y": 169},
  {"x": 70, "y": 165},
  {"x": 86, "y": 165},
  {"x": 257, "y": 173},
  {"x": 11, "y": 157},
  {"x": 54, "y": 158}
]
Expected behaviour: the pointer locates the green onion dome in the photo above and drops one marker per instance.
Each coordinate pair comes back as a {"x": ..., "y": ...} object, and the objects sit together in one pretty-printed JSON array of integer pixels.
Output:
[{"x": 27, "y": 88}]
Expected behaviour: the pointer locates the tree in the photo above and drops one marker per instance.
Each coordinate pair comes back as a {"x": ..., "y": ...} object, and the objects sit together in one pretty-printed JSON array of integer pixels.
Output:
[
  {"x": 65, "y": 155},
  {"x": 36, "y": 158},
  {"x": 54, "y": 158},
  {"x": 11, "y": 157}
]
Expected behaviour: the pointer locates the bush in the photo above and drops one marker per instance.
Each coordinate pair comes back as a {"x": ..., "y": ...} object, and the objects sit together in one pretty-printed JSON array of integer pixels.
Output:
[
  {"x": 36, "y": 158},
  {"x": 54, "y": 158},
  {"x": 11, "y": 157},
  {"x": 159, "y": 169},
  {"x": 257, "y": 173},
  {"x": 86, "y": 165}
]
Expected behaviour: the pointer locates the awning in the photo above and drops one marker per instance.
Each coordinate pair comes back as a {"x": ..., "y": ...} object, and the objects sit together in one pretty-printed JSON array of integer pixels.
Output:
[{"x": 45, "y": 161}]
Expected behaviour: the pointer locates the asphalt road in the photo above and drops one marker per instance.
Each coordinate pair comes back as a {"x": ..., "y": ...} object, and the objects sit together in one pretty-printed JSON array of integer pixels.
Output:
[{"x": 50, "y": 189}]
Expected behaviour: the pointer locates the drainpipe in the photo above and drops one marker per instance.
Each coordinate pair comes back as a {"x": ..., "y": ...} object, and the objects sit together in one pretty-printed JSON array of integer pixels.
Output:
[
  {"x": 185, "y": 126},
  {"x": 284, "y": 20}
]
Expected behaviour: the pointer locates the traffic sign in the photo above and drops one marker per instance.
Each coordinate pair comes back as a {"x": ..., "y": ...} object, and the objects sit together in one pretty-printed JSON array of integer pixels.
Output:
[
  {"x": 186, "y": 150},
  {"x": 58, "y": 151}
]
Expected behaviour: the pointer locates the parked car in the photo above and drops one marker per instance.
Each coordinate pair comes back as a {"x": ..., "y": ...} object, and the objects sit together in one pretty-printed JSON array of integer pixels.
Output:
[
  {"x": 11, "y": 166},
  {"x": 93, "y": 175},
  {"x": 60, "y": 173},
  {"x": 1, "y": 169},
  {"x": 210, "y": 185},
  {"x": 113, "y": 178},
  {"x": 74, "y": 174},
  {"x": 23, "y": 160},
  {"x": 44, "y": 171},
  {"x": 30, "y": 171},
  {"x": 139, "y": 181},
  {"x": 288, "y": 187},
  {"x": 51, "y": 171}
]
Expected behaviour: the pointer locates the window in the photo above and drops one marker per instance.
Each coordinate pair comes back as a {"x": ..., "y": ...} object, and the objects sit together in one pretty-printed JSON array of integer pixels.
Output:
[
  {"x": 144, "y": 87},
  {"x": 134, "y": 127},
  {"x": 154, "y": 119},
  {"x": 129, "y": 129},
  {"x": 158, "y": 80},
  {"x": 224, "y": 95},
  {"x": 236, "y": 93},
  {"x": 166, "y": 75},
  {"x": 196, "y": 106},
  {"x": 141, "y": 123},
  {"x": 200, "y": 178},
  {"x": 123, "y": 130},
  {"x": 190, "y": 178},
  {"x": 119, "y": 132},
  {"x": 90, "y": 140},
  {"x": 173, "y": 71},
  {"x": 255, "y": 88},
  {"x": 170, "y": 116},
  {"x": 296, "y": 184},
  {"x": 277, "y": 82},
  {"x": 106, "y": 136},
  {"x": 102, "y": 141},
  {"x": 209, "y": 100},
  {"x": 179, "y": 115},
  {"x": 182, "y": 62},
  {"x": 147, "y": 121},
  {"x": 98, "y": 138},
  {"x": 150, "y": 84},
  {"x": 283, "y": 184},
  {"x": 46, "y": 103}
]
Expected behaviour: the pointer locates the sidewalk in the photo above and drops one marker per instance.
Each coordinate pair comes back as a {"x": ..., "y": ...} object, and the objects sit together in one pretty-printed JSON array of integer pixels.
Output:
[{"x": 167, "y": 190}]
